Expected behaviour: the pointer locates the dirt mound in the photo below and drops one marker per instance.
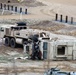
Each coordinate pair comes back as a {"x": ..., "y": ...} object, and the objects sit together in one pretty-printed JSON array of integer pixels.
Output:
[
  {"x": 56, "y": 28},
  {"x": 69, "y": 30},
  {"x": 48, "y": 25}
]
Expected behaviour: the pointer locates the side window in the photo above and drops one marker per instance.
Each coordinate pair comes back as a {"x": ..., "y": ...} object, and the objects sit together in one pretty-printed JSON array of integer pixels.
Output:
[
  {"x": 27, "y": 49},
  {"x": 1, "y": 29},
  {"x": 45, "y": 46}
]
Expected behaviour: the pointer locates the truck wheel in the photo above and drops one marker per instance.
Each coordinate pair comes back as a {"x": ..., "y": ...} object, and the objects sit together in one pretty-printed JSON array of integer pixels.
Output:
[
  {"x": 13, "y": 43},
  {"x": 7, "y": 41}
]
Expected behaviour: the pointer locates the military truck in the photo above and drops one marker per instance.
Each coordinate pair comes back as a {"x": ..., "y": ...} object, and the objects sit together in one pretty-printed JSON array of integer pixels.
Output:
[{"x": 19, "y": 34}]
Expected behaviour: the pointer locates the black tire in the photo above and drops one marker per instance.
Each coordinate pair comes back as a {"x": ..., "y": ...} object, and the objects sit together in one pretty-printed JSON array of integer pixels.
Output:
[
  {"x": 7, "y": 41},
  {"x": 12, "y": 43}
]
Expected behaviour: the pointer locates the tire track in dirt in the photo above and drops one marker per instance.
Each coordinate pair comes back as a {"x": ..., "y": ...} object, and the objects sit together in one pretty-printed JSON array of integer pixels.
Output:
[{"x": 49, "y": 12}]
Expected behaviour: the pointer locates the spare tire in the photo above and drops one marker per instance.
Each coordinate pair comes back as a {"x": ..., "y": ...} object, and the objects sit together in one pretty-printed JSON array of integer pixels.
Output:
[
  {"x": 7, "y": 41},
  {"x": 12, "y": 43}
]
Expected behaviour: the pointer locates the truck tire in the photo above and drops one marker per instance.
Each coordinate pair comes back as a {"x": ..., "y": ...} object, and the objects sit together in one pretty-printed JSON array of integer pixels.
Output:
[
  {"x": 7, "y": 41},
  {"x": 12, "y": 43}
]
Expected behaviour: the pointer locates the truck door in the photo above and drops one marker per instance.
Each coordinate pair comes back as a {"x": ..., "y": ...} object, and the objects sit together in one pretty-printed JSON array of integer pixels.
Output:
[
  {"x": 7, "y": 31},
  {"x": 1, "y": 32},
  {"x": 45, "y": 49}
]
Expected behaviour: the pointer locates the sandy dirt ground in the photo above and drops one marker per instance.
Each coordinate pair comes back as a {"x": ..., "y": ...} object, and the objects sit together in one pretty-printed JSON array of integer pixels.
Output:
[
  {"x": 71, "y": 2},
  {"x": 41, "y": 15},
  {"x": 9, "y": 64},
  {"x": 50, "y": 9}
]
